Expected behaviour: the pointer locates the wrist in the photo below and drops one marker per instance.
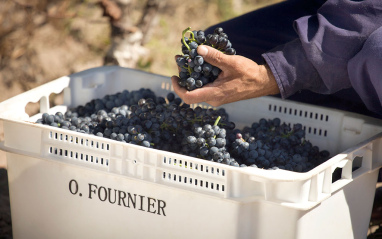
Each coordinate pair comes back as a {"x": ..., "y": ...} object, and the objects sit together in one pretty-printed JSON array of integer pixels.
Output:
[{"x": 268, "y": 80}]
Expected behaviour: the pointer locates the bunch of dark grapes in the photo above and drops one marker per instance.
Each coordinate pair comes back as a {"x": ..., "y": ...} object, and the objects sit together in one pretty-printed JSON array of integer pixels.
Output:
[
  {"x": 194, "y": 71},
  {"x": 269, "y": 144},
  {"x": 179, "y": 122},
  {"x": 138, "y": 117},
  {"x": 166, "y": 123},
  {"x": 208, "y": 142},
  {"x": 110, "y": 117}
]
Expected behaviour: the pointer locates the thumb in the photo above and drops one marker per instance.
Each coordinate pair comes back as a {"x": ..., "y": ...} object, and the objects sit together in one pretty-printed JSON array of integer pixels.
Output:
[{"x": 213, "y": 56}]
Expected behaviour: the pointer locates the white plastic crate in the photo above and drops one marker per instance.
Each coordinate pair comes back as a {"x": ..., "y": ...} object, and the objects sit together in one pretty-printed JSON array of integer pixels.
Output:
[{"x": 65, "y": 184}]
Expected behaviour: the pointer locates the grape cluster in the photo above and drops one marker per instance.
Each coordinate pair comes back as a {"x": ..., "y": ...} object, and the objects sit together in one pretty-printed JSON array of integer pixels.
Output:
[
  {"x": 166, "y": 123},
  {"x": 208, "y": 142},
  {"x": 194, "y": 71},
  {"x": 137, "y": 117},
  {"x": 271, "y": 145},
  {"x": 107, "y": 117}
]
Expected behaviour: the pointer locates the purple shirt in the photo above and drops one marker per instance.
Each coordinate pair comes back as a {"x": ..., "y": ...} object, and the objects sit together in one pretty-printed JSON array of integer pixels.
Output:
[{"x": 330, "y": 53}]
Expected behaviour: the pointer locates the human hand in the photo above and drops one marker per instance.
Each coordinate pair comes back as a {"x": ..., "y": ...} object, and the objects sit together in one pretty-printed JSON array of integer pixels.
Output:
[{"x": 240, "y": 79}]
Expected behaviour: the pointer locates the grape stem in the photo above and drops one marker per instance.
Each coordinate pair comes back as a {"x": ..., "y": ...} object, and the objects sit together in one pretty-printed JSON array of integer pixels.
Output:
[
  {"x": 216, "y": 123},
  {"x": 217, "y": 120},
  {"x": 192, "y": 38},
  {"x": 184, "y": 33},
  {"x": 188, "y": 69}
]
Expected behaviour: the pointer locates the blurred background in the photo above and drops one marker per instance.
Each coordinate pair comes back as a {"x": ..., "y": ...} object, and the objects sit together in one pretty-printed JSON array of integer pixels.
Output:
[{"x": 41, "y": 40}]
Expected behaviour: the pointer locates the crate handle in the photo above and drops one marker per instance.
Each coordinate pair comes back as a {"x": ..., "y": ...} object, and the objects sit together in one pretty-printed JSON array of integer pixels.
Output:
[
  {"x": 16, "y": 151},
  {"x": 337, "y": 176},
  {"x": 14, "y": 108}
]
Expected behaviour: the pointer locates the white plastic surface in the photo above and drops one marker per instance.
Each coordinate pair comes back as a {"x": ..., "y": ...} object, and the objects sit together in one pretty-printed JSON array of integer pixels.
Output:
[{"x": 59, "y": 179}]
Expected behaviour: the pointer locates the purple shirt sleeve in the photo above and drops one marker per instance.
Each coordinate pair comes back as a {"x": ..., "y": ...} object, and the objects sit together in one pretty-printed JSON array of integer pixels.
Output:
[
  {"x": 318, "y": 59},
  {"x": 367, "y": 65}
]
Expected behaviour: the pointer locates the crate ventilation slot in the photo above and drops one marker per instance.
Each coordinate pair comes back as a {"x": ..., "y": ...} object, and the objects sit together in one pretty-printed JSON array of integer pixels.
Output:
[
  {"x": 166, "y": 86},
  {"x": 87, "y": 158},
  {"x": 306, "y": 114},
  {"x": 79, "y": 140},
  {"x": 315, "y": 131},
  {"x": 301, "y": 113},
  {"x": 193, "y": 166},
  {"x": 176, "y": 178}
]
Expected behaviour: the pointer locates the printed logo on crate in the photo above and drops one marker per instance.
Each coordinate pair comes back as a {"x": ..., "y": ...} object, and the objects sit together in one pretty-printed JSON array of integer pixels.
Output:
[{"x": 120, "y": 197}]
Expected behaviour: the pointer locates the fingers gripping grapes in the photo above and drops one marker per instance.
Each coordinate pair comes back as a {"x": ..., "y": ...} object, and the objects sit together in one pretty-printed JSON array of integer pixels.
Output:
[
  {"x": 194, "y": 71},
  {"x": 238, "y": 78}
]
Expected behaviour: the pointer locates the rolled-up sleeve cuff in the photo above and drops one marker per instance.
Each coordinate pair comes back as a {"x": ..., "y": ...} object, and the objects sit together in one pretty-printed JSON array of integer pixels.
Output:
[
  {"x": 292, "y": 70},
  {"x": 270, "y": 62}
]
